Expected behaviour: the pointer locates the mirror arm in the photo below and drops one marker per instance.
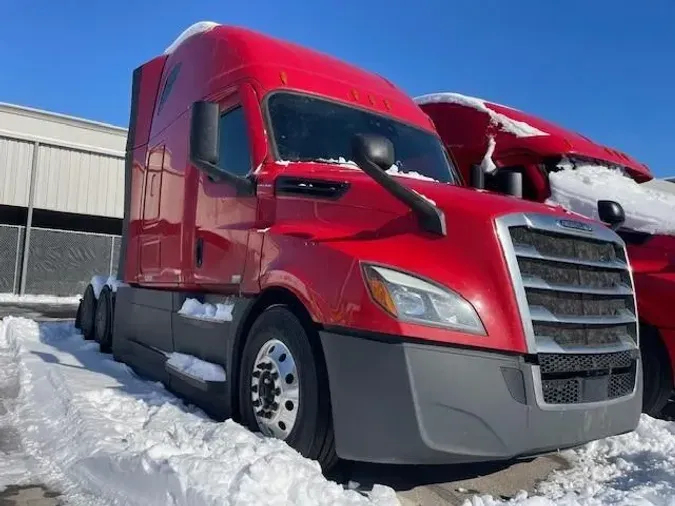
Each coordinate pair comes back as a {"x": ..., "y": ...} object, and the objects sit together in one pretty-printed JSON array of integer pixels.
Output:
[
  {"x": 431, "y": 217},
  {"x": 244, "y": 186}
]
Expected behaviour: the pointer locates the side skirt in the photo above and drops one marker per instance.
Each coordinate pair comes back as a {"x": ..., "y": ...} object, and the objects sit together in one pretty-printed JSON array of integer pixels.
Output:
[{"x": 154, "y": 339}]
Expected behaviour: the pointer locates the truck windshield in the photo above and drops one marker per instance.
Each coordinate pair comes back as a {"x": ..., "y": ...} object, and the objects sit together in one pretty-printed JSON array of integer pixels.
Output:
[{"x": 309, "y": 129}]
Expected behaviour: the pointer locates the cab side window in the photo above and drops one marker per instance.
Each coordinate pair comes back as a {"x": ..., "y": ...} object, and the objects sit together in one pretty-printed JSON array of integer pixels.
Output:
[{"x": 234, "y": 152}]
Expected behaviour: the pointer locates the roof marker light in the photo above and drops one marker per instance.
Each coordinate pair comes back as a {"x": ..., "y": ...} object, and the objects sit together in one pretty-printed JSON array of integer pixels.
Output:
[
  {"x": 283, "y": 77},
  {"x": 355, "y": 94}
]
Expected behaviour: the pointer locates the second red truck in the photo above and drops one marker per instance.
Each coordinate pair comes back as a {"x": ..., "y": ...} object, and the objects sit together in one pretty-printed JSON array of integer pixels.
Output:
[{"x": 482, "y": 133}]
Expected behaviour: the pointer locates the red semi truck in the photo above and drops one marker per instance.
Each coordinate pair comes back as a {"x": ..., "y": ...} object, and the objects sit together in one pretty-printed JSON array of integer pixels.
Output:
[
  {"x": 363, "y": 303},
  {"x": 519, "y": 142}
]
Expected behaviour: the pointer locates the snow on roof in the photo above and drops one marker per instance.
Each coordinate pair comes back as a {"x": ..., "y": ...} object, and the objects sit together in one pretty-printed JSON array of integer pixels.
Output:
[
  {"x": 200, "y": 27},
  {"x": 517, "y": 128}
]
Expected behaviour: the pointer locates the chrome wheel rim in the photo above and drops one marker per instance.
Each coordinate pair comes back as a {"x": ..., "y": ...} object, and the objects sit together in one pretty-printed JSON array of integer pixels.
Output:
[{"x": 275, "y": 389}]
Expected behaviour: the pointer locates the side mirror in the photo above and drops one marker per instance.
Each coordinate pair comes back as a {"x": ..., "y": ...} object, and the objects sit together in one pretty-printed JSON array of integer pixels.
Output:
[
  {"x": 509, "y": 182},
  {"x": 375, "y": 149},
  {"x": 611, "y": 213},
  {"x": 204, "y": 132},
  {"x": 477, "y": 179},
  {"x": 204, "y": 140}
]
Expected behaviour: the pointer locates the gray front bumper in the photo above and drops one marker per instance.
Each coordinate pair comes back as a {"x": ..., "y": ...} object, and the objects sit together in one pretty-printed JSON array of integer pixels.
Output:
[{"x": 424, "y": 404}]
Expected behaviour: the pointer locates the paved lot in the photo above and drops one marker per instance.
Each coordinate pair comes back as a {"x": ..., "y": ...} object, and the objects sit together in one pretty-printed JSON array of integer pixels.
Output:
[{"x": 415, "y": 485}]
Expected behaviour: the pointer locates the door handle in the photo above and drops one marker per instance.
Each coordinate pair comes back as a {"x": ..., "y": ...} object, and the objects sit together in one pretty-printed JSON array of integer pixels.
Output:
[{"x": 199, "y": 252}]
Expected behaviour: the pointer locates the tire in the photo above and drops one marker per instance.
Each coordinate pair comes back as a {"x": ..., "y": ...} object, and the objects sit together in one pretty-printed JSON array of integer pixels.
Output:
[
  {"x": 657, "y": 372},
  {"x": 103, "y": 321},
  {"x": 312, "y": 431},
  {"x": 87, "y": 312},
  {"x": 78, "y": 316}
]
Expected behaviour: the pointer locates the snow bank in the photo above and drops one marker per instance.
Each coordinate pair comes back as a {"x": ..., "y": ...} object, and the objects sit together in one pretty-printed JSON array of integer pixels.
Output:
[
  {"x": 517, "y": 128},
  {"x": 206, "y": 311},
  {"x": 192, "y": 366},
  {"x": 100, "y": 435},
  {"x": 200, "y": 27},
  {"x": 579, "y": 189},
  {"x": 10, "y": 298},
  {"x": 629, "y": 470}
]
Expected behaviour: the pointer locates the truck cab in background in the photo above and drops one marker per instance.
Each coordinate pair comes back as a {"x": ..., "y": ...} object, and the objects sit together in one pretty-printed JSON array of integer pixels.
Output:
[
  {"x": 357, "y": 301},
  {"x": 488, "y": 140}
]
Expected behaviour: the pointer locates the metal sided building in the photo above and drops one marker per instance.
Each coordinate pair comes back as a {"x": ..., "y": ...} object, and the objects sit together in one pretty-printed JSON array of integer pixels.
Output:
[{"x": 61, "y": 200}]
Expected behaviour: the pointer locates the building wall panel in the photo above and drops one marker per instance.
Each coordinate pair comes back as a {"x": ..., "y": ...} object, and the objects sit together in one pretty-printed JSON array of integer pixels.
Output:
[
  {"x": 15, "y": 166},
  {"x": 58, "y": 129},
  {"x": 75, "y": 181}
]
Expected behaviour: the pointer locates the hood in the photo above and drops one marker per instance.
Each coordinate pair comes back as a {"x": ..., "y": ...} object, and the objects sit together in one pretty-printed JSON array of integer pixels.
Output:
[{"x": 364, "y": 223}]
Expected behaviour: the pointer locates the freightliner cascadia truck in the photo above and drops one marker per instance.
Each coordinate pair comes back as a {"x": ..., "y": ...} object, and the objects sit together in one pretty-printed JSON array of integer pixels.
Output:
[
  {"x": 368, "y": 305},
  {"x": 536, "y": 148}
]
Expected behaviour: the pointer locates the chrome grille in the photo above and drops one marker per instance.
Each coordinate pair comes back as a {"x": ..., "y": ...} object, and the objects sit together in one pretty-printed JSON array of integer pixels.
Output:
[
  {"x": 578, "y": 290},
  {"x": 576, "y": 298}
]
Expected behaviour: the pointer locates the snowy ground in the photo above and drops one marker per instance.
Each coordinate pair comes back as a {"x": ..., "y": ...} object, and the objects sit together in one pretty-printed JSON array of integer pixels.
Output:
[
  {"x": 88, "y": 427},
  {"x": 10, "y": 298}
]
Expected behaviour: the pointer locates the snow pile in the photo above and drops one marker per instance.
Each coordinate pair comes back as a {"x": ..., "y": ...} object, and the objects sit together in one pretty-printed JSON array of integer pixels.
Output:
[
  {"x": 395, "y": 170},
  {"x": 200, "y": 27},
  {"x": 341, "y": 161},
  {"x": 94, "y": 431},
  {"x": 192, "y": 366},
  {"x": 98, "y": 282},
  {"x": 207, "y": 311},
  {"x": 517, "y": 128},
  {"x": 487, "y": 164},
  {"x": 633, "y": 469},
  {"x": 579, "y": 189}
]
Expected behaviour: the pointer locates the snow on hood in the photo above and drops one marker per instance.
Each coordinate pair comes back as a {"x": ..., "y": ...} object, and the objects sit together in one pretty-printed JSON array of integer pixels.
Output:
[
  {"x": 579, "y": 189},
  {"x": 200, "y": 27},
  {"x": 517, "y": 128}
]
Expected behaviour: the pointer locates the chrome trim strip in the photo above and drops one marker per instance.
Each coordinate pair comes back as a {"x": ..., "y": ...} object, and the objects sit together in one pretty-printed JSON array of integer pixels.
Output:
[
  {"x": 541, "y": 314},
  {"x": 530, "y": 252},
  {"x": 549, "y": 345},
  {"x": 540, "y": 284}
]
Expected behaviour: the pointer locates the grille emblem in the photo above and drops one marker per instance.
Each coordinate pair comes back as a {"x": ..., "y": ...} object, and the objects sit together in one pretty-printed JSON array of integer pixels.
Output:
[{"x": 576, "y": 225}]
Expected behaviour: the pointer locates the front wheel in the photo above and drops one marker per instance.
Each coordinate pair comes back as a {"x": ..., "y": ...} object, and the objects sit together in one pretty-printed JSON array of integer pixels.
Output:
[
  {"x": 657, "y": 372},
  {"x": 284, "y": 388}
]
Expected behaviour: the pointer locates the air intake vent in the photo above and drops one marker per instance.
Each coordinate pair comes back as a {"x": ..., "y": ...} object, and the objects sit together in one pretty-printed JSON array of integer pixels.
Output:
[{"x": 313, "y": 188}]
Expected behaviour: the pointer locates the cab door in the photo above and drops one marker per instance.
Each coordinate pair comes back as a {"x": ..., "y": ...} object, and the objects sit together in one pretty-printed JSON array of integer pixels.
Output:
[
  {"x": 223, "y": 218},
  {"x": 151, "y": 238}
]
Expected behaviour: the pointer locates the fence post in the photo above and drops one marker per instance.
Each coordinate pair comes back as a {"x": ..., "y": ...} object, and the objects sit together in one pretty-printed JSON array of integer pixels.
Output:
[
  {"x": 112, "y": 255},
  {"x": 29, "y": 219},
  {"x": 15, "y": 281}
]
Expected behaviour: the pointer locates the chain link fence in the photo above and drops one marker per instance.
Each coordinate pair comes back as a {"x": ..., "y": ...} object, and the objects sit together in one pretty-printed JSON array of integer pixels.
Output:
[
  {"x": 11, "y": 240},
  {"x": 59, "y": 262}
]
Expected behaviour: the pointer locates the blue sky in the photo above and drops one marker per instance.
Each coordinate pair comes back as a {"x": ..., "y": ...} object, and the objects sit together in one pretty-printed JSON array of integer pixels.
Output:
[{"x": 604, "y": 67}]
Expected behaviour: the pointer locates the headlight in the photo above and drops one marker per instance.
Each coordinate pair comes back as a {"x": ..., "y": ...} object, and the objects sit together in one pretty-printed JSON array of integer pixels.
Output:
[{"x": 414, "y": 300}]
